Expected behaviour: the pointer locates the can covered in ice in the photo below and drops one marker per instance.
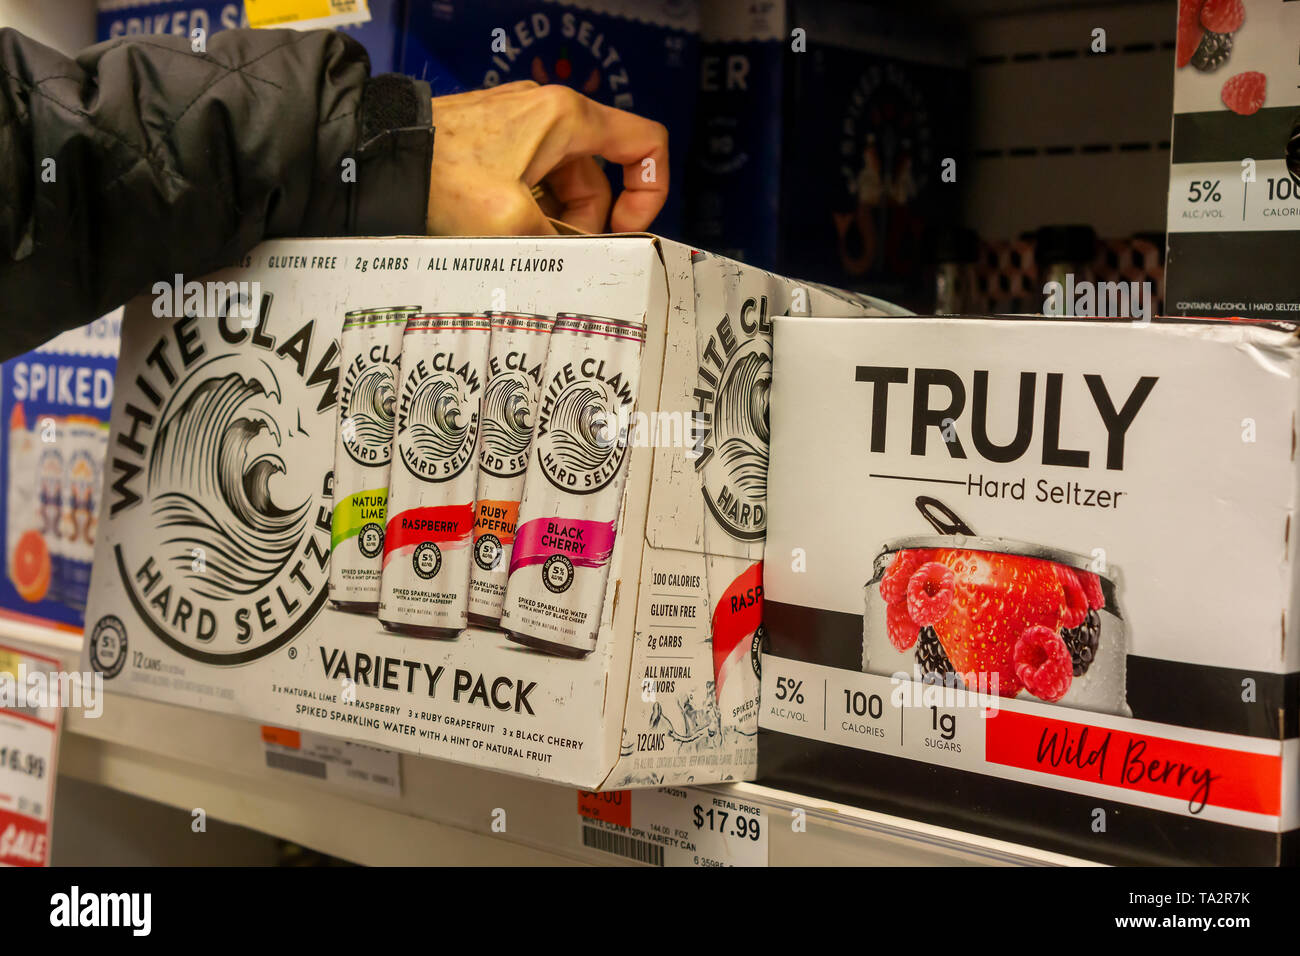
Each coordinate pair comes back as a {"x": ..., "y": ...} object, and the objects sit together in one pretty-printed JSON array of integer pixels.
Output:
[
  {"x": 573, "y": 486},
  {"x": 424, "y": 590},
  {"x": 516, "y": 361},
  {"x": 369, "y": 345}
]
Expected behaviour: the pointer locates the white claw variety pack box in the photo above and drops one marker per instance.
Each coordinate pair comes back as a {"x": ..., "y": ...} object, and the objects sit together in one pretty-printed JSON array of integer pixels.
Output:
[
  {"x": 500, "y": 501},
  {"x": 1037, "y": 579}
]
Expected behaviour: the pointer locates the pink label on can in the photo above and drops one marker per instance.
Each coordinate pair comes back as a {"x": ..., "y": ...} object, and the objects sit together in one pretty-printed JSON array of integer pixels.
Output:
[{"x": 588, "y": 544}]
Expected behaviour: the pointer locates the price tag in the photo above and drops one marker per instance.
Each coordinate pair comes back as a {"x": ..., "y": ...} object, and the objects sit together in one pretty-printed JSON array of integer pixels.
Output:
[
  {"x": 674, "y": 826},
  {"x": 306, "y": 14},
  {"x": 340, "y": 762},
  {"x": 29, "y": 734}
]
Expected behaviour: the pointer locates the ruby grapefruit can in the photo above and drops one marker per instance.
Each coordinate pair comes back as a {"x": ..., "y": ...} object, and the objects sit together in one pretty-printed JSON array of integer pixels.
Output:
[
  {"x": 369, "y": 346},
  {"x": 516, "y": 361},
  {"x": 424, "y": 588},
  {"x": 573, "y": 486}
]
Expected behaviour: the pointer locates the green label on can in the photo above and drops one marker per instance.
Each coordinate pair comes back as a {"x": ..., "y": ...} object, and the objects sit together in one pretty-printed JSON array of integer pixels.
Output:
[{"x": 356, "y": 511}]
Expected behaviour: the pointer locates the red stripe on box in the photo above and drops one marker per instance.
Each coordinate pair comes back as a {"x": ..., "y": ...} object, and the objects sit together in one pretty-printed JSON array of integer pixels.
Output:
[
  {"x": 1197, "y": 773},
  {"x": 736, "y": 617}
]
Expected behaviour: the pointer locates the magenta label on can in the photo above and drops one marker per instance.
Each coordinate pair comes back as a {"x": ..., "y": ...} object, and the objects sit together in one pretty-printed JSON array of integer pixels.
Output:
[{"x": 587, "y": 544}]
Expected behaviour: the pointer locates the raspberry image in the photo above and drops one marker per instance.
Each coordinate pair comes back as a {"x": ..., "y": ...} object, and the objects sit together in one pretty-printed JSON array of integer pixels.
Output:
[
  {"x": 901, "y": 629},
  {"x": 930, "y": 593},
  {"x": 1189, "y": 30},
  {"x": 1244, "y": 93},
  {"x": 1043, "y": 663},
  {"x": 1222, "y": 16},
  {"x": 1076, "y": 603},
  {"x": 1213, "y": 52},
  {"x": 893, "y": 584},
  {"x": 1091, "y": 589}
]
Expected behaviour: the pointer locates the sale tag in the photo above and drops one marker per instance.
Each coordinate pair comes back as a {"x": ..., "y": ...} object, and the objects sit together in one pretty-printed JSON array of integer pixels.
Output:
[
  {"x": 29, "y": 734},
  {"x": 612, "y": 806},
  {"x": 335, "y": 761},
  {"x": 305, "y": 14},
  {"x": 674, "y": 826}
]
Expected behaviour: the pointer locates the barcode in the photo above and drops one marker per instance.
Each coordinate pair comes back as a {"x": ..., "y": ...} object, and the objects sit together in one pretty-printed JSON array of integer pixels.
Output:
[
  {"x": 279, "y": 761},
  {"x": 625, "y": 846}
]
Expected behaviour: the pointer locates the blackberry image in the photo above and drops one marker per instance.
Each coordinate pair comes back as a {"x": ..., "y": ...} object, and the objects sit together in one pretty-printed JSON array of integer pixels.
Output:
[
  {"x": 1082, "y": 642},
  {"x": 931, "y": 658},
  {"x": 1212, "y": 52}
]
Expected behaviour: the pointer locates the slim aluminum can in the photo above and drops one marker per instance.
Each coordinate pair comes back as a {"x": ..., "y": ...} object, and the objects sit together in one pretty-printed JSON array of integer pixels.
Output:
[
  {"x": 370, "y": 343},
  {"x": 80, "y": 489},
  {"x": 516, "y": 361},
  {"x": 424, "y": 590},
  {"x": 573, "y": 487},
  {"x": 52, "y": 475}
]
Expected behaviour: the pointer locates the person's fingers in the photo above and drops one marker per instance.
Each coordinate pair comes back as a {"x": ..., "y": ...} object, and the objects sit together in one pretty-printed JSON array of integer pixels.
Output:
[
  {"x": 645, "y": 183},
  {"x": 583, "y": 127},
  {"x": 582, "y": 189},
  {"x": 640, "y": 201}
]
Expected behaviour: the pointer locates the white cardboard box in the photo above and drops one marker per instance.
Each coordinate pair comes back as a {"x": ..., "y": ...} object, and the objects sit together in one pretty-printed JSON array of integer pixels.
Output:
[
  {"x": 251, "y": 404},
  {"x": 1159, "y": 460}
]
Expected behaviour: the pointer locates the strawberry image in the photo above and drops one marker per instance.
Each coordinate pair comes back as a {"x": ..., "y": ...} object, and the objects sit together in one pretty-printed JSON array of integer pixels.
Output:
[
  {"x": 1190, "y": 31},
  {"x": 996, "y": 598}
]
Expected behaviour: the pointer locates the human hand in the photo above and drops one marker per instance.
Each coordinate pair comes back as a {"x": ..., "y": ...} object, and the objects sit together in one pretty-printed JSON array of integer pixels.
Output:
[{"x": 492, "y": 146}]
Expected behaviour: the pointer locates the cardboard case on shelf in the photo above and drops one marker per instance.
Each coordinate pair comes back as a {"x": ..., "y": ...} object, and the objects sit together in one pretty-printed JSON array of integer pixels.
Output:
[
  {"x": 212, "y": 561},
  {"x": 1037, "y": 580}
]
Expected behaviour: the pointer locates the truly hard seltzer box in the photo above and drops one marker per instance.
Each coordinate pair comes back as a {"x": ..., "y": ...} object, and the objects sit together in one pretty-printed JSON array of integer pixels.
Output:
[
  {"x": 1234, "y": 197},
  {"x": 1036, "y": 579},
  {"x": 213, "y": 557}
]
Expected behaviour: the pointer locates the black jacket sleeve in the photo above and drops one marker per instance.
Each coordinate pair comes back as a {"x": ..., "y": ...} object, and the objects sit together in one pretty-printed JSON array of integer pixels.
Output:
[{"x": 141, "y": 159}]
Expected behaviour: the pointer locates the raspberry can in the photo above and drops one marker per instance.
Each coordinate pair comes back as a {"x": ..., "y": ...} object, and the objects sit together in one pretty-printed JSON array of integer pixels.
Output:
[
  {"x": 516, "y": 361},
  {"x": 573, "y": 486},
  {"x": 424, "y": 590},
  {"x": 370, "y": 343}
]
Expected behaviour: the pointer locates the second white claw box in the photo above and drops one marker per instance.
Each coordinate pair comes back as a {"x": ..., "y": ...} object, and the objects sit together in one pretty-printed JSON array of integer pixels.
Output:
[{"x": 221, "y": 504}]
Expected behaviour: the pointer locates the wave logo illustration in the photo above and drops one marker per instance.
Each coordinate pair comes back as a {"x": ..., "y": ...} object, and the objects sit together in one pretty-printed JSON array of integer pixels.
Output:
[
  {"x": 580, "y": 450},
  {"x": 740, "y": 416},
  {"x": 217, "y": 511},
  {"x": 367, "y": 429},
  {"x": 508, "y": 404},
  {"x": 733, "y": 446},
  {"x": 439, "y": 431},
  {"x": 214, "y": 462}
]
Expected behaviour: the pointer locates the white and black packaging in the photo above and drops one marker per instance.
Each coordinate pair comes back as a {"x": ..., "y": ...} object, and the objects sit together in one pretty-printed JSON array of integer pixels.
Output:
[
  {"x": 573, "y": 486},
  {"x": 516, "y": 361},
  {"x": 1037, "y": 576},
  {"x": 370, "y": 342},
  {"x": 424, "y": 588}
]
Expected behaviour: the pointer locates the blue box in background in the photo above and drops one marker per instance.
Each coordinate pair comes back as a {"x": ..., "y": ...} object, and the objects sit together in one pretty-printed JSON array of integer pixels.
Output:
[
  {"x": 637, "y": 55},
  {"x": 56, "y": 400},
  {"x": 825, "y": 163},
  {"x": 380, "y": 36}
]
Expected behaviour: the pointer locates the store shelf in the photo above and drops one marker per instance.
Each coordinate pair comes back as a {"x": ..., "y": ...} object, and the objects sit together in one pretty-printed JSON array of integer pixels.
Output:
[{"x": 192, "y": 759}]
